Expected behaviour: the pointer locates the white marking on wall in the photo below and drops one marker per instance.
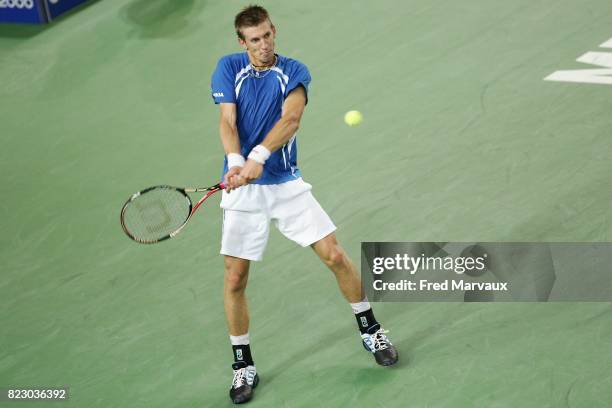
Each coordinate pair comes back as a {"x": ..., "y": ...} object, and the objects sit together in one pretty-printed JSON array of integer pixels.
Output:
[
  {"x": 589, "y": 76},
  {"x": 607, "y": 44}
]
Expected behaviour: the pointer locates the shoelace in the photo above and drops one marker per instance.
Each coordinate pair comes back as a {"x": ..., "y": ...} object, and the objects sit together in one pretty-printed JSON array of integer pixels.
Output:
[
  {"x": 239, "y": 378},
  {"x": 380, "y": 341}
]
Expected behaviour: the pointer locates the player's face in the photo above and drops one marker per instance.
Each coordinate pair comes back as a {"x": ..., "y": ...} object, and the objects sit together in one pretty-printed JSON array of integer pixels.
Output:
[{"x": 259, "y": 43}]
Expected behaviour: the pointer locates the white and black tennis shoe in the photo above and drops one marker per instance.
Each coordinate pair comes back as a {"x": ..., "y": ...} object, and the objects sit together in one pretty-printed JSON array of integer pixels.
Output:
[
  {"x": 244, "y": 382},
  {"x": 376, "y": 342}
]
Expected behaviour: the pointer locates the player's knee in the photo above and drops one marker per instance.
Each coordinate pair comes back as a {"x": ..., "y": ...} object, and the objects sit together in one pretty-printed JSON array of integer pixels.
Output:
[
  {"x": 236, "y": 274},
  {"x": 235, "y": 281},
  {"x": 335, "y": 257},
  {"x": 235, "y": 277}
]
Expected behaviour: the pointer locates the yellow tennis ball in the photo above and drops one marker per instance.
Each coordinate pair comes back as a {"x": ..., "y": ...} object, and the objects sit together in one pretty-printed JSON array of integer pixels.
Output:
[{"x": 353, "y": 118}]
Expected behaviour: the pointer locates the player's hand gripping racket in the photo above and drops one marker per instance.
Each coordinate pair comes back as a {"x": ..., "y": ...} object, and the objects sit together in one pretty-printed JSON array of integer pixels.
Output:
[{"x": 158, "y": 213}]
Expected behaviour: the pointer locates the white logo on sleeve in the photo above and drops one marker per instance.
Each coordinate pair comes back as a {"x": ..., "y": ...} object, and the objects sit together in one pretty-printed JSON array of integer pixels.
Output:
[
  {"x": 19, "y": 4},
  {"x": 218, "y": 94}
]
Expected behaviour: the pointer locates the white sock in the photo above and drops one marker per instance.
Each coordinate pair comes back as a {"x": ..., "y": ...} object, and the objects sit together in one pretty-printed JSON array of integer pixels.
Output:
[
  {"x": 361, "y": 306},
  {"x": 241, "y": 340}
]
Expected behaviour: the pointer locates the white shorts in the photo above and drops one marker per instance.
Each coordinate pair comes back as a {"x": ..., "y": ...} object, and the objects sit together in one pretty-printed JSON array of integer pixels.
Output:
[{"x": 247, "y": 212}]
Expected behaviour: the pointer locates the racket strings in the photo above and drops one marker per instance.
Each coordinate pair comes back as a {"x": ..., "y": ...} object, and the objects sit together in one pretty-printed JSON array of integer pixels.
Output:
[{"x": 156, "y": 214}]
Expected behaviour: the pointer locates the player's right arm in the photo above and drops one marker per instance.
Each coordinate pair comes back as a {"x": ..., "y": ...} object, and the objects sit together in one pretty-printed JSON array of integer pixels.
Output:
[
  {"x": 223, "y": 94},
  {"x": 231, "y": 144}
]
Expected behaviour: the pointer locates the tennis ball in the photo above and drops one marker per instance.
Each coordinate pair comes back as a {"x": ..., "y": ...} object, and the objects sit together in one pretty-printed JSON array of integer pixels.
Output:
[{"x": 353, "y": 118}]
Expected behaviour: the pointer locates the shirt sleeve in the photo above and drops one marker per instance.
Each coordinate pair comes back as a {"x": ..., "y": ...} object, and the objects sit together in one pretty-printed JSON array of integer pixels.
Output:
[
  {"x": 299, "y": 77},
  {"x": 222, "y": 83}
]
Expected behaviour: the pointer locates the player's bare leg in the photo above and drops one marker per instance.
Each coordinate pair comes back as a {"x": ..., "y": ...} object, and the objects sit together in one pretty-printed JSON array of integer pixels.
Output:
[
  {"x": 234, "y": 296},
  {"x": 237, "y": 315},
  {"x": 349, "y": 282},
  {"x": 332, "y": 254}
]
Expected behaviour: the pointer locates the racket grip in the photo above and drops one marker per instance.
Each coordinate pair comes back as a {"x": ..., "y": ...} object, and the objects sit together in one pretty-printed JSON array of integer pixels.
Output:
[{"x": 222, "y": 185}]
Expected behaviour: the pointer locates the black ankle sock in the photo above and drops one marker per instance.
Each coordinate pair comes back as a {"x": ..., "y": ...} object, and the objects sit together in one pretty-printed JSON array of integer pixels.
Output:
[
  {"x": 366, "y": 320},
  {"x": 242, "y": 353}
]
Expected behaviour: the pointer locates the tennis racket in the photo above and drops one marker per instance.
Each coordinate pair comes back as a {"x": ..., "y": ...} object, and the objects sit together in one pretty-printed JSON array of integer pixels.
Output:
[{"x": 160, "y": 212}]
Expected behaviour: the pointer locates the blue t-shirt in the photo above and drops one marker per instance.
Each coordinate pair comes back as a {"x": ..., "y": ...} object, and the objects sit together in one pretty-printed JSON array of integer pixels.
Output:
[{"x": 259, "y": 98}]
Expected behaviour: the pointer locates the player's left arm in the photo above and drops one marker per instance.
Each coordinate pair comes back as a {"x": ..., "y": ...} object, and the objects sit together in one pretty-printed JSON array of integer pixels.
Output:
[
  {"x": 281, "y": 133},
  {"x": 285, "y": 128}
]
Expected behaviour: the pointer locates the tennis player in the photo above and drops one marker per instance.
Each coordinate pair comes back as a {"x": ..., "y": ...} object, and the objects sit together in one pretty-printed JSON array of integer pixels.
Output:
[{"x": 262, "y": 96}]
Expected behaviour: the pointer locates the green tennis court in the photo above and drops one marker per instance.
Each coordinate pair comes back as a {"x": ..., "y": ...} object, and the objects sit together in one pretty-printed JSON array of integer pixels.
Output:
[{"x": 462, "y": 140}]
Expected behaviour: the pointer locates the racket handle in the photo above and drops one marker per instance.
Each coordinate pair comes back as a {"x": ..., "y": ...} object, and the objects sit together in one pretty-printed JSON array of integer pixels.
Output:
[{"x": 216, "y": 187}]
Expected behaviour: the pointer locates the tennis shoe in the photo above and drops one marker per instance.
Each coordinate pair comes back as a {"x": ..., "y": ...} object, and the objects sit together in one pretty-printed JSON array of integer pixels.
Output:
[
  {"x": 376, "y": 342},
  {"x": 244, "y": 382}
]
